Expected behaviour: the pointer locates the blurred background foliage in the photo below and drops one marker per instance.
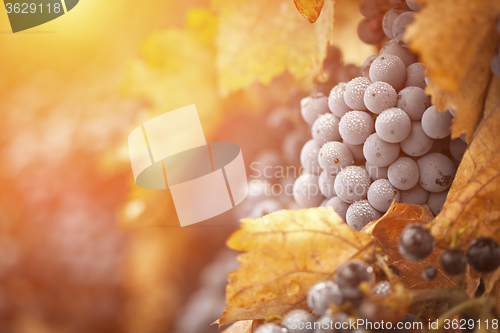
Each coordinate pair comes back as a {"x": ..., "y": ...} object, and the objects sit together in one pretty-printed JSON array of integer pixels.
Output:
[{"x": 82, "y": 249}]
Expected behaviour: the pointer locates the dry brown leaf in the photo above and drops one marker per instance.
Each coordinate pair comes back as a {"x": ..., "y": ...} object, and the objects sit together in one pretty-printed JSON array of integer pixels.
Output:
[
  {"x": 473, "y": 202},
  {"x": 386, "y": 231},
  {"x": 457, "y": 39},
  {"x": 310, "y": 9},
  {"x": 286, "y": 253},
  {"x": 244, "y": 326}
]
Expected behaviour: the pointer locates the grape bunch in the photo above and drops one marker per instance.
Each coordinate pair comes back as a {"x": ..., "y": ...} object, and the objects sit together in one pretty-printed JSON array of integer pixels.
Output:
[
  {"x": 377, "y": 138},
  {"x": 417, "y": 243},
  {"x": 334, "y": 305}
]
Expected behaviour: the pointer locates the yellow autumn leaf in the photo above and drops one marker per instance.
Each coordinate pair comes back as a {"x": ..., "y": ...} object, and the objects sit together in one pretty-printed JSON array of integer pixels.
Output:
[
  {"x": 456, "y": 39},
  {"x": 257, "y": 40},
  {"x": 177, "y": 68},
  {"x": 310, "y": 9},
  {"x": 286, "y": 253},
  {"x": 244, "y": 326}
]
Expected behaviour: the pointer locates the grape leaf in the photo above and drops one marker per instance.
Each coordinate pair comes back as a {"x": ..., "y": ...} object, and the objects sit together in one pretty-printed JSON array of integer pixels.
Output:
[
  {"x": 244, "y": 326},
  {"x": 474, "y": 197},
  {"x": 457, "y": 39},
  {"x": 258, "y": 40},
  {"x": 177, "y": 69},
  {"x": 286, "y": 253},
  {"x": 310, "y": 9},
  {"x": 386, "y": 231}
]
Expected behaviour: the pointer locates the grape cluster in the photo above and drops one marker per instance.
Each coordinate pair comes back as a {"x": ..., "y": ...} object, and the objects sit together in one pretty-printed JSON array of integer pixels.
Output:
[
  {"x": 377, "y": 138},
  {"x": 343, "y": 291},
  {"x": 417, "y": 243}
]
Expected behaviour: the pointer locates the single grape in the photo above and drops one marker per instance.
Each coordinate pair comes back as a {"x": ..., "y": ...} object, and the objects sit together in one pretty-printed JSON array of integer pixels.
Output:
[
  {"x": 326, "y": 128},
  {"x": 457, "y": 148},
  {"x": 372, "y": 8},
  {"x": 306, "y": 191},
  {"x": 360, "y": 213},
  {"x": 379, "y": 152},
  {"x": 415, "y": 75},
  {"x": 326, "y": 183},
  {"x": 417, "y": 143},
  {"x": 416, "y": 242},
  {"x": 429, "y": 273},
  {"x": 436, "y": 172},
  {"x": 368, "y": 34},
  {"x": 355, "y": 127},
  {"x": 293, "y": 318},
  {"x": 336, "y": 101},
  {"x": 354, "y": 92},
  {"x": 388, "y": 68},
  {"x": 312, "y": 106},
  {"x": 403, "y": 173},
  {"x": 483, "y": 254},
  {"x": 400, "y": 23},
  {"x": 393, "y": 125},
  {"x": 339, "y": 206},
  {"x": 398, "y": 50},
  {"x": 495, "y": 65},
  {"x": 352, "y": 183},
  {"x": 414, "y": 101},
  {"x": 382, "y": 289},
  {"x": 381, "y": 193},
  {"x": 414, "y": 196},
  {"x": 436, "y": 124},
  {"x": 380, "y": 96},
  {"x": 322, "y": 294},
  {"x": 376, "y": 172},
  {"x": 413, "y": 5},
  {"x": 309, "y": 157},
  {"x": 352, "y": 273},
  {"x": 334, "y": 156},
  {"x": 365, "y": 68},
  {"x": 270, "y": 328},
  {"x": 357, "y": 152},
  {"x": 388, "y": 20},
  {"x": 436, "y": 201},
  {"x": 453, "y": 261},
  {"x": 292, "y": 146}
]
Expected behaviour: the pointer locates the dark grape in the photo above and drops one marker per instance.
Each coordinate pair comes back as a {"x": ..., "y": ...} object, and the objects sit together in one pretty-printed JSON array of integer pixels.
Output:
[
  {"x": 453, "y": 261},
  {"x": 483, "y": 255},
  {"x": 352, "y": 273},
  {"x": 429, "y": 272},
  {"x": 416, "y": 242}
]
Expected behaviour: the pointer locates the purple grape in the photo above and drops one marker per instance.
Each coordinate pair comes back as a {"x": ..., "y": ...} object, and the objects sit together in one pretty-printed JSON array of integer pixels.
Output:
[
  {"x": 360, "y": 213},
  {"x": 394, "y": 48},
  {"x": 326, "y": 184},
  {"x": 306, "y": 191},
  {"x": 380, "y": 96},
  {"x": 417, "y": 143},
  {"x": 368, "y": 35},
  {"x": 309, "y": 157},
  {"x": 356, "y": 126},
  {"x": 326, "y": 128},
  {"x": 388, "y": 68},
  {"x": 403, "y": 173},
  {"x": 339, "y": 206},
  {"x": 436, "y": 124},
  {"x": 334, "y": 156},
  {"x": 388, "y": 20},
  {"x": 414, "y": 196},
  {"x": 415, "y": 75},
  {"x": 379, "y": 152},
  {"x": 400, "y": 24},
  {"x": 457, "y": 149},
  {"x": 381, "y": 193},
  {"x": 376, "y": 172},
  {"x": 414, "y": 101},
  {"x": 365, "y": 68},
  {"x": 436, "y": 202},
  {"x": 352, "y": 183},
  {"x": 355, "y": 91},
  {"x": 436, "y": 172},
  {"x": 336, "y": 101},
  {"x": 393, "y": 125},
  {"x": 311, "y": 107}
]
